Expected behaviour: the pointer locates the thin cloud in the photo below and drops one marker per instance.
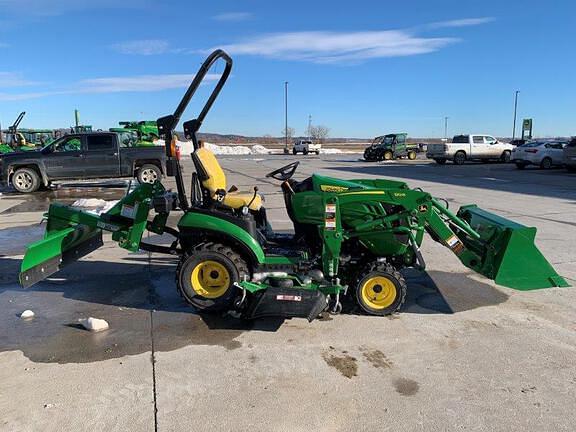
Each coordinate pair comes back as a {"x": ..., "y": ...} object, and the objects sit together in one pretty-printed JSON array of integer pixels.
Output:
[
  {"x": 465, "y": 22},
  {"x": 11, "y": 79},
  {"x": 143, "y": 47},
  {"x": 233, "y": 16},
  {"x": 138, "y": 83},
  {"x": 334, "y": 47},
  {"x": 3, "y": 44}
]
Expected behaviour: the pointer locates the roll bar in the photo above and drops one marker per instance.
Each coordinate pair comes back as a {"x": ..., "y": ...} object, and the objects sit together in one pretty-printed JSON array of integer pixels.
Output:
[{"x": 167, "y": 124}]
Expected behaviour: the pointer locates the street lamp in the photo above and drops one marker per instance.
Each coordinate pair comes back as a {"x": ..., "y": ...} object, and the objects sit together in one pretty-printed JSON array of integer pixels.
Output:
[
  {"x": 515, "y": 110},
  {"x": 286, "y": 117},
  {"x": 446, "y": 127}
]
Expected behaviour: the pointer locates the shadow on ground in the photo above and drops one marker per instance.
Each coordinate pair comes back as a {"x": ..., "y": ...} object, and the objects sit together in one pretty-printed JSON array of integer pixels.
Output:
[{"x": 141, "y": 304}]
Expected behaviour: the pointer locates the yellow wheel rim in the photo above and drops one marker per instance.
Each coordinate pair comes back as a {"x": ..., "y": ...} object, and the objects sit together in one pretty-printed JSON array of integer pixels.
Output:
[
  {"x": 210, "y": 279},
  {"x": 378, "y": 292},
  {"x": 387, "y": 155},
  {"x": 411, "y": 156}
]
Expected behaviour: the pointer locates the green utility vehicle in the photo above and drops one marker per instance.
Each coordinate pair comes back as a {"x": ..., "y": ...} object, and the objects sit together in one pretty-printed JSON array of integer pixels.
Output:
[
  {"x": 352, "y": 237},
  {"x": 389, "y": 147}
]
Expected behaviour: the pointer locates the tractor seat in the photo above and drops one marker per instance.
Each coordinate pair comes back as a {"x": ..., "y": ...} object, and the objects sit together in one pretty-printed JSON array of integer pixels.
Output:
[{"x": 213, "y": 179}]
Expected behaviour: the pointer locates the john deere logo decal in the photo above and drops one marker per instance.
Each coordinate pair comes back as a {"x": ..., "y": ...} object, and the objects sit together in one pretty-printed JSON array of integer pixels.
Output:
[{"x": 330, "y": 188}]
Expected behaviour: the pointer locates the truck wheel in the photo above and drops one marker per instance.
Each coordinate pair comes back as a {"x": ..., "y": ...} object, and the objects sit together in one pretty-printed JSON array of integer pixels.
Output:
[
  {"x": 460, "y": 158},
  {"x": 380, "y": 289},
  {"x": 440, "y": 161},
  {"x": 305, "y": 152},
  {"x": 546, "y": 163},
  {"x": 506, "y": 155},
  {"x": 411, "y": 155},
  {"x": 148, "y": 173},
  {"x": 388, "y": 155},
  {"x": 294, "y": 152},
  {"x": 26, "y": 180},
  {"x": 206, "y": 277}
]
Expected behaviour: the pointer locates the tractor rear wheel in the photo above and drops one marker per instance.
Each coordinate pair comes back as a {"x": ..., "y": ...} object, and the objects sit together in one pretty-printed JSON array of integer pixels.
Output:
[
  {"x": 388, "y": 155},
  {"x": 380, "y": 289},
  {"x": 206, "y": 277}
]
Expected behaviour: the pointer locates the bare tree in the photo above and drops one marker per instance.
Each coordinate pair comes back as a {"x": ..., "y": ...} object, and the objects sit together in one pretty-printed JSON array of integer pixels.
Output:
[
  {"x": 319, "y": 133},
  {"x": 289, "y": 132}
]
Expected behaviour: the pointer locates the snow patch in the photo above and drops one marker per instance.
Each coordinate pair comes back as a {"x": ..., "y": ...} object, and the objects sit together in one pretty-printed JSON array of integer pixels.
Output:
[
  {"x": 94, "y": 205},
  {"x": 94, "y": 324},
  {"x": 27, "y": 314},
  {"x": 186, "y": 148},
  {"x": 330, "y": 151}
]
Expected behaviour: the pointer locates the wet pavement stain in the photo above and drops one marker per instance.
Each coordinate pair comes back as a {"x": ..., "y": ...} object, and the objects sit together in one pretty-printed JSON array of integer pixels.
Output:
[
  {"x": 378, "y": 359},
  {"x": 345, "y": 364},
  {"x": 40, "y": 201},
  {"x": 127, "y": 296},
  {"x": 13, "y": 241},
  {"x": 406, "y": 387}
]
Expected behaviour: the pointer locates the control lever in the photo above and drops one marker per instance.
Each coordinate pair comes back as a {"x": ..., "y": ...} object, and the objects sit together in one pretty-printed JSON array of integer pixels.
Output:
[{"x": 253, "y": 197}]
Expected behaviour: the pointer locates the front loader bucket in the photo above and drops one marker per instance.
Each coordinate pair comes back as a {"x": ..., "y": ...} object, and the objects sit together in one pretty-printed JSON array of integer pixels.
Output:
[
  {"x": 507, "y": 252},
  {"x": 66, "y": 240}
]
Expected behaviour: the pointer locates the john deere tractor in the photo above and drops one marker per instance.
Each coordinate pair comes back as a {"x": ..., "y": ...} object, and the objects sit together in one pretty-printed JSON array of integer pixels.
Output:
[
  {"x": 390, "y": 147},
  {"x": 351, "y": 238}
]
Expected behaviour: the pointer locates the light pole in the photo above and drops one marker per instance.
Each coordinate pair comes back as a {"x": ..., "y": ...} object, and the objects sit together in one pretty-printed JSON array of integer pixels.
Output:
[
  {"x": 446, "y": 127},
  {"x": 286, "y": 117},
  {"x": 515, "y": 110}
]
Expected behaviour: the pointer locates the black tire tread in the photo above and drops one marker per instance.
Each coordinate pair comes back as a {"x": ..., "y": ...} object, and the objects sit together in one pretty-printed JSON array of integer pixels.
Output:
[
  {"x": 385, "y": 268},
  {"x": 220, "y": 248}
]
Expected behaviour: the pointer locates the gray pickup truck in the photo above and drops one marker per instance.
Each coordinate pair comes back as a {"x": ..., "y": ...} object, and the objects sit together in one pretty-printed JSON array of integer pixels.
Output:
[{"x": 81, "y": 156}]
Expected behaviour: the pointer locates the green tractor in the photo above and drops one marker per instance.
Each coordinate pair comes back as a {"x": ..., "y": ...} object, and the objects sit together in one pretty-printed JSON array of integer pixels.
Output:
[
  {"x": 146, "y": 132},
  {"x": 390, "y": 147},
  {"x": 18, "y": 140},
  {"x": 351, "y": 238}
]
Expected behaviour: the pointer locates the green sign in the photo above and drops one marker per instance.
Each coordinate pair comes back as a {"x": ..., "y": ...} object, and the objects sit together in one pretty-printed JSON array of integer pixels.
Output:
[{"x": 527, "y": 129}]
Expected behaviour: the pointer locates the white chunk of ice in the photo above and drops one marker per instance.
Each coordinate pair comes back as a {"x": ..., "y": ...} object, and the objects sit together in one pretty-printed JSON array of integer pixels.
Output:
[
  {"x": 94, "y": 324},
  {"x": 27, "y": 314}
]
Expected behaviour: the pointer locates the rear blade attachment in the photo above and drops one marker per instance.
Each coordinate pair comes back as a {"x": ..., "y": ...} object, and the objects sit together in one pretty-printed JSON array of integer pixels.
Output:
[
  {"x": 58, "y": 249},
  {"x": 507, "y": 252},
  {"x": 72, "y": 233}
]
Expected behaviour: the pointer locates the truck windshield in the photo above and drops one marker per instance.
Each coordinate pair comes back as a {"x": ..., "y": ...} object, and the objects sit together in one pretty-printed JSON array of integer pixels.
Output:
[
  {"x": 461, "y": 139},
  {"x": 389, "y": 139}
]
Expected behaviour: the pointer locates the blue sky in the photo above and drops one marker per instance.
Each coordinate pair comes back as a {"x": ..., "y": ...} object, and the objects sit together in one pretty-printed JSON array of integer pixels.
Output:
[{"x": 361, "y": 68}]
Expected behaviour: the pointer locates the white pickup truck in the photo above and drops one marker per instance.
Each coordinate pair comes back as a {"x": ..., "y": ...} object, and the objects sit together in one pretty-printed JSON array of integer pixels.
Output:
[
  {"x": 470, "y": 147},
  {"x": 305, "y": 147}
]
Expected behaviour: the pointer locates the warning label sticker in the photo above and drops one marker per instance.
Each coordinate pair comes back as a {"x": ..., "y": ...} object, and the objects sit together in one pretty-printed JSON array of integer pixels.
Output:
[{"x": 286, "y": 297}]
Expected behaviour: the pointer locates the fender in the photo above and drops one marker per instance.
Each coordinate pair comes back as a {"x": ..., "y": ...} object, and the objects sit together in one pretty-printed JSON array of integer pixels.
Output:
[{"x": 199, "y": 221}]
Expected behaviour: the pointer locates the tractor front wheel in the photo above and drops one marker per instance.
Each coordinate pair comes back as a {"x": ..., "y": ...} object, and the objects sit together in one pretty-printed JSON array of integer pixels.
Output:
[
  {"x": 411, "y": 155},
  {"x": 380, "y": 289},
  {"x": 206, "y": 277}
]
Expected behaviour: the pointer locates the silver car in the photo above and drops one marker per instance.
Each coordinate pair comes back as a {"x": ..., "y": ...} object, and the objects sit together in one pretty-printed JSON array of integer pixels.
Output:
[{"x": 569, "y": 155}]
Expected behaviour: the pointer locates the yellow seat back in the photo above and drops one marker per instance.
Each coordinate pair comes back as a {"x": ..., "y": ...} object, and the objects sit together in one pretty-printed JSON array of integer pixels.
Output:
[{"x": 216, "y": 179}]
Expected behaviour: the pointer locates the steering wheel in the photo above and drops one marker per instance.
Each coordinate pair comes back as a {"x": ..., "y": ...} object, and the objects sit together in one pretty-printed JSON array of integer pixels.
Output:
[{"x": 285, "y": 172}]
